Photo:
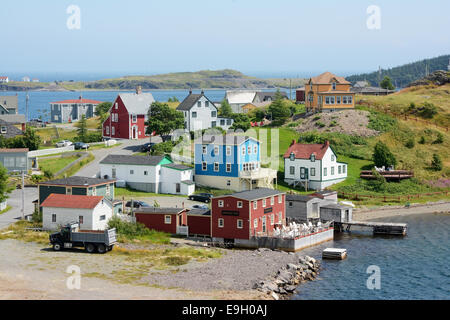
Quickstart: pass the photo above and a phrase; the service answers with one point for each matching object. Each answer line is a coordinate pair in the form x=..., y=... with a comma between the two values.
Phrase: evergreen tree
x=278, y=110
x=386, y=83
x=436, y=163
x=30, y=139
x=382, y=156
x=225, y=109
x=82, y=128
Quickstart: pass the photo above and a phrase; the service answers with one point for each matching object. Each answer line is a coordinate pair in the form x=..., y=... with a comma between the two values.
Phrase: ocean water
x=413, y=267
x=39, y=101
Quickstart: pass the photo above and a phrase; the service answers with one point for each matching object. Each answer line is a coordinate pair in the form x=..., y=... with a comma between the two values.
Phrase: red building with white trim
x=128, y=115
x=162, y=219
x=246, y=214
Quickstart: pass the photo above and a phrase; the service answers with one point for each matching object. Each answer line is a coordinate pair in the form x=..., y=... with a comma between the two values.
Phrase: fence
x=399, y=198
x=44, y=152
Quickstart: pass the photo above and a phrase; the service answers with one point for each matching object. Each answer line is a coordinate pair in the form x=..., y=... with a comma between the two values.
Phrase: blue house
x=230, y=162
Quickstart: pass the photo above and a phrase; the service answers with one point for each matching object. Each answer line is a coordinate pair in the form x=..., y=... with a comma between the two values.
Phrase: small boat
x=334, y=254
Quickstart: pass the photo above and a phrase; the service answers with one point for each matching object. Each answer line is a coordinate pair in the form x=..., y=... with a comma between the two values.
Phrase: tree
x=241, y=121
x=436, y=163
x=439, y=138
x=278, y=110
x=382, y=156
x=4, y=189
x=163, y=120
x=386, y=83
x=225, y=109
x=173, y=99
x=82, y=128
x=30, y=139
x=102, y=111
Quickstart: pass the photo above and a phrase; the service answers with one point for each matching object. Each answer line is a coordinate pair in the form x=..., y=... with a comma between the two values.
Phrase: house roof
x=77, y=181
x=227, y=139
x=191, y=100
x=304, y=151
x=13, y=118
x=132, y=160
x=240, y=96
x=299, y=197
x=254, y=194
x=137, y=103
x=9, y=102
x=199, y=212
x=155, y=210
x=78, y=101
x=3, y=77
x=332, y=205
x=71, y=201
x=264, y=95
x=370, y=90
x=326, y=78
x=178, y=166
x=335, y=92
x=14, y=150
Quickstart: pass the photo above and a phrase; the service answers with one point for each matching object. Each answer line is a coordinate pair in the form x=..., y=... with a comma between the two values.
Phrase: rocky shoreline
x=282, y=285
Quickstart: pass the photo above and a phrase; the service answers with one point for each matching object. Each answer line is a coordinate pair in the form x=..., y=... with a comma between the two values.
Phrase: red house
x=246, y=214
x=128, y=115
x=162, y=219
x=199, y=222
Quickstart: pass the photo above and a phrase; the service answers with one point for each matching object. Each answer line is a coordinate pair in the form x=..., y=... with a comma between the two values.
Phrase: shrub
x=317, y=118
x=436, y=163
x=422, y=140
x=131, y=230
x=162, y=148
x=333, y=123
x=381, y=122
x=410, y=143
x=320, y=124
x=428, y=110
x=382, y=156
x=439, y=139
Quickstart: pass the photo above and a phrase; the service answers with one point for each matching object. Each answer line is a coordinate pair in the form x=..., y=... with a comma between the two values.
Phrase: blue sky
x=255, y=37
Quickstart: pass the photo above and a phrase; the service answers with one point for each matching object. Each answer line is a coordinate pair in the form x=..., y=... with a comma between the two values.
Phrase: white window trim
x=206, y=166
x=218, y=167
x=167, y=219
x=220, y=223
x=264, y=203
x=240, y=204
x=228, y=151
x=204, y=149
x=228, y=167
x=255, y=205
x=220, y=203
x=241, y=222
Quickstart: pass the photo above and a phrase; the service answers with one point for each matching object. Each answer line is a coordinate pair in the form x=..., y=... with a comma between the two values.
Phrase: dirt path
x=391, y=211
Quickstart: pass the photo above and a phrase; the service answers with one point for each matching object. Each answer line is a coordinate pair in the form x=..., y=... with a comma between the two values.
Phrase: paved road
x=15, y=201
x=126, y=147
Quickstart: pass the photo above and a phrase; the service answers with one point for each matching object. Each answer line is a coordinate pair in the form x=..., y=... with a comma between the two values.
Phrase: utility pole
x=27, y=98
x=23, y=195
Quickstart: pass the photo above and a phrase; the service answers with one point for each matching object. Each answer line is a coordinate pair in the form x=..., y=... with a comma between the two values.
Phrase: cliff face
x=437, y=78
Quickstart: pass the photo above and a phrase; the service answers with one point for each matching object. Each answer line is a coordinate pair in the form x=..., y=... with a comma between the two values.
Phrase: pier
x=389, y=228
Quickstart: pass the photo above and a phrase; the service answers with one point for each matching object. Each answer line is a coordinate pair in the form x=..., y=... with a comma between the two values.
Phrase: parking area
x=15, y=201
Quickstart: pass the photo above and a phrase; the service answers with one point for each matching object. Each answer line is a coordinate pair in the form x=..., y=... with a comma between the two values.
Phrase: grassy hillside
x=405, y=74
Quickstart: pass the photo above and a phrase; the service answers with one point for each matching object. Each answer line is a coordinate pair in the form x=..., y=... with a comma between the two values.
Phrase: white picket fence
x=45, y=152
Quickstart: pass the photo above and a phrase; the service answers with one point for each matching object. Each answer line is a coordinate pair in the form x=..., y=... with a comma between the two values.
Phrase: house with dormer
x=201, y=113
x=328, y=92
x=231, y=162
x=313, y=166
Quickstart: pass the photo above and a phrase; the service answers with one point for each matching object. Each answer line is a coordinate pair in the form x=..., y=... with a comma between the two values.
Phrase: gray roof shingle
x=254, y=194
x=137, y=103
x=178, y=166
x=158, y=210
x=189, y=102
x=299, y=197
x=77, y=181
x=132, y=160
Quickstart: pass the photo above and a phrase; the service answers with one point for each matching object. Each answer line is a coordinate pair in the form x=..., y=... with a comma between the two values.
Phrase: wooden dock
x=396, y=175
x=390, y=228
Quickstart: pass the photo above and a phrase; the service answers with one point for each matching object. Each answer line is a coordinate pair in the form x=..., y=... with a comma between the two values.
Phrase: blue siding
x=236, y=158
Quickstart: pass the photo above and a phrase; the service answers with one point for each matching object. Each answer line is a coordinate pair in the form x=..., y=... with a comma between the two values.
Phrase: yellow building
x=328, y=92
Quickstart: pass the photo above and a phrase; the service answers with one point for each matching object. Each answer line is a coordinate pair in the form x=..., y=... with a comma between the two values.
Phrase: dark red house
x=300, y=95
x=162, y=219
x=128, y=115
x=199, y=222
x=246, y=214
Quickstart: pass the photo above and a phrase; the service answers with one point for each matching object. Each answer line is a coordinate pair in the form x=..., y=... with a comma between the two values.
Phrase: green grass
x=8, y=207
x=131, y=193
x=56, y=164
x=18, y=231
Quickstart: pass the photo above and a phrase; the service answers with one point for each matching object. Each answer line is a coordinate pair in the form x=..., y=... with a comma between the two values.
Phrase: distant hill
x=206, y=79
x=405, y=74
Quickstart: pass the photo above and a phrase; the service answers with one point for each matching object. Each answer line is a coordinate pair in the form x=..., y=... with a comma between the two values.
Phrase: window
x=199, y=104
x=240, y=224
x=313, y=172
x=292, y=170
x=204, y=166
x=313, y=157
x=53, y=217
x=108, y=189
x=204, y=149
x=255, y=205
x=280, y=217
x=344, y=99
x=216, y=166
x=228, y=183
x=213, y=114
x=213, y=124
x=228, y=167
x=325, y=172
x=272, y=219
x=220, y=203
x=272, y=201
x=243, y=151
x=332, y=157
x=280, y=199
x=117, y=105
x=207, y=104
x=216, y=151
x=113, y=130
x=264, y=203
x=220, y=223
x=168, y=219
x=228, y=122
x=80, y=220
x=249, y=150
x=339, y=169
x=338, y=100
x=131, y=171
x=194, y=114
x=332, y=171
x=94, y=191
x=102, y=218
x=255, y=223
x=291, y=204
x=239, y=204
x=228, y=151
x=69, y=191
x=350, y=99
x=145, y=173
x=222, y=122
x=134, y=120
x=255, y=149
x=344, y=167
x=107, y=129
x=334, y=85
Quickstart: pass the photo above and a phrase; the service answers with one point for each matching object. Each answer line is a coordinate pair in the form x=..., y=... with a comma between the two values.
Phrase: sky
x=257, y=37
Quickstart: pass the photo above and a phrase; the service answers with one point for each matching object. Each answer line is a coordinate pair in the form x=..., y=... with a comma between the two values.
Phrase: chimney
x=326, y=144
x=24, y=127
x=190, y=91
x=203, y=92
x=138, y=90
x=292, y=143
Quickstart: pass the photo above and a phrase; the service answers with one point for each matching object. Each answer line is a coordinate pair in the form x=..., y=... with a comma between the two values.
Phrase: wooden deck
x=388, y=175
x=378, y=227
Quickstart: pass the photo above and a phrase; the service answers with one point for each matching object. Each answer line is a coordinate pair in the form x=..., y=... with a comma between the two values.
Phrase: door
x=264, y=224
x=304, y=173
x=134, y=133
x=178, y=188
x=347, y=216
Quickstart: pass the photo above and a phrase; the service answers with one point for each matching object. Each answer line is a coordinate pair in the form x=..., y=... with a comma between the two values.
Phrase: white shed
x=92, y=212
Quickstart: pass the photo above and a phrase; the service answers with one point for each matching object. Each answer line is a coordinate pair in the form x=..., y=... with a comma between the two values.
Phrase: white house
x=157, y=174
x=92, y=212
x=4, y=79
x=313, y=166
x=239, y=98
x=201, y=113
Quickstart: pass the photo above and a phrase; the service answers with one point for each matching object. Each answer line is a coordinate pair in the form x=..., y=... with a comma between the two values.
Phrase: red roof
x=73, y=101
x=3, y=77
x=304, y=151
x=71, y=201
x=14, y=150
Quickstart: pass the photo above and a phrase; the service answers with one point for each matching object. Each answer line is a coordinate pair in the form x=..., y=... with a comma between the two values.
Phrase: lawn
x=56, y=164
x=49, y=135
x=131, y=193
